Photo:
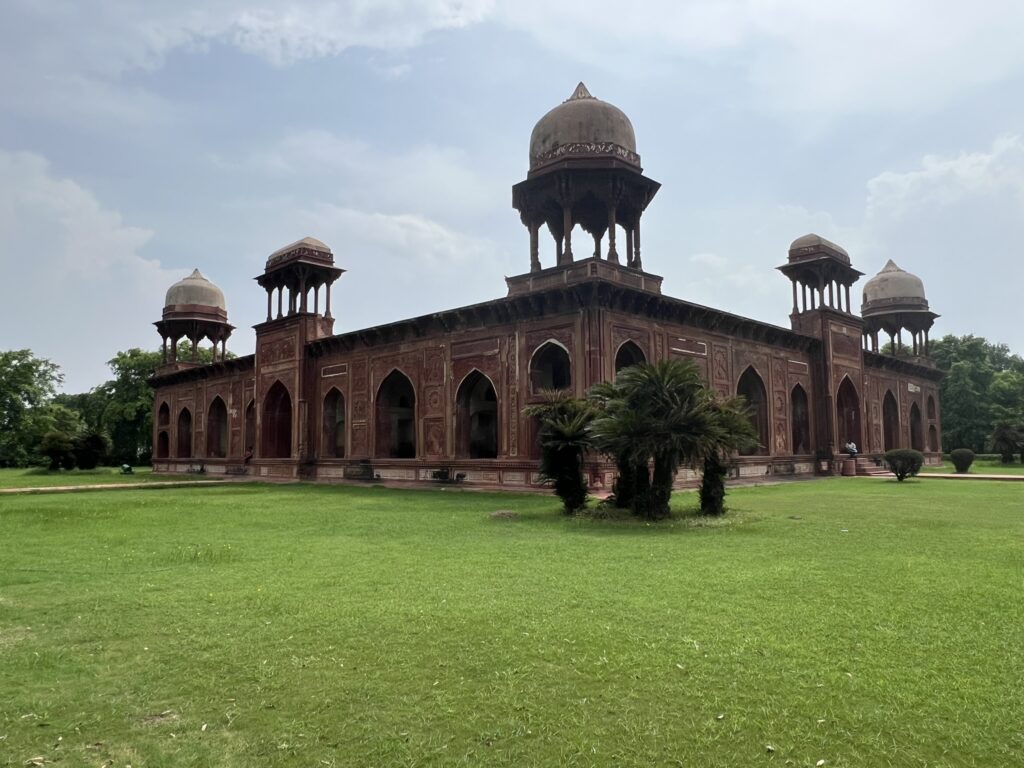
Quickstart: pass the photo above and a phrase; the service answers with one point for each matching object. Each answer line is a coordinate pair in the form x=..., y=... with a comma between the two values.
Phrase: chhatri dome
x=194, y=309
x=584, y=125
x=194, y=291
x=893, y=289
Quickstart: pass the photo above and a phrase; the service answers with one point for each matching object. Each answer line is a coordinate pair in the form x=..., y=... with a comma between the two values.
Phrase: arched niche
x=334, y=425
x=476, y=418
x=751, y=387
x=396, y=418
x=629, y=354
x=550, y=367
x=916, y=430
x=184, y=434
x=217, y=430
x=163, y=445
x=890, y=422
x=250, y=428
x=163, y=415
x=848, y=413
x=276, y=442
x=800, y=426
x=931, y=408
x=933, y=439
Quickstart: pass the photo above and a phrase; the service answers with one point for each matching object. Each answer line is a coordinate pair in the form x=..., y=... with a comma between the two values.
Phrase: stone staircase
x=866, y=466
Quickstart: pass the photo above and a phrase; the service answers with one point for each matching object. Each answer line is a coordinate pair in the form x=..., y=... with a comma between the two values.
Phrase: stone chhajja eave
x=900, y=365
x=561, y=300
x=199, y=372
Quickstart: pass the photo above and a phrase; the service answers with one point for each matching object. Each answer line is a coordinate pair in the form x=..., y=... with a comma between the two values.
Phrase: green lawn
x=860, y=622
x=43, y=478
x=980, y=468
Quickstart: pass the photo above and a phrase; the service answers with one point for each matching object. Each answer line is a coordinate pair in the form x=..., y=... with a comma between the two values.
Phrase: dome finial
x=581, y=92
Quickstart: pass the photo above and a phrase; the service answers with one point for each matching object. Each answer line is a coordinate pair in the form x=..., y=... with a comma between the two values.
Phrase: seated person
x=851, y=448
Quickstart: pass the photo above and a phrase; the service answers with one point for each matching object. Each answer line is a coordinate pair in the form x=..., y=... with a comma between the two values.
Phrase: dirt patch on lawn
x=161, y=718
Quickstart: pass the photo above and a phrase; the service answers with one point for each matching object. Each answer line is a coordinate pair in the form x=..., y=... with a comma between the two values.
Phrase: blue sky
x=141, y=140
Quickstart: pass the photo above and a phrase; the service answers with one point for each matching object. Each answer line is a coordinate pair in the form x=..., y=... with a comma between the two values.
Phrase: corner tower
x=584, y=170
x=293, y=278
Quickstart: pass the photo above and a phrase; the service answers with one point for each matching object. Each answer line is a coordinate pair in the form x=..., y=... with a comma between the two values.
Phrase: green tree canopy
x=27, y=383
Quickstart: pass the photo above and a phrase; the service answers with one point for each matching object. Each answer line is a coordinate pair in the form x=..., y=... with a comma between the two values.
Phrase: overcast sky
x=139, y=140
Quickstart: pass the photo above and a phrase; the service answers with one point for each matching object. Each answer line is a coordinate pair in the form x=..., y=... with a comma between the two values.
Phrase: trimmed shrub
x=962, y=459
x=904, y=462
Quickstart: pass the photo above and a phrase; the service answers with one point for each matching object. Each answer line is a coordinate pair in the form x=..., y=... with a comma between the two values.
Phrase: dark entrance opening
x=848, y=414
x=217, y=430
x=629, y=354
x=477, y=418
x=890, y=422
x=801, y=425
x=751, y=387
x=916, y=433
x=334, y=425
x=163, y=445
x=250, y=428
x=396, y=418
x=550, y=368
x=277, y=423
x=185, y=434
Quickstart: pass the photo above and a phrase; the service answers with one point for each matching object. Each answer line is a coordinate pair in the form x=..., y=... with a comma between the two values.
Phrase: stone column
x=535, y=247
x=637, y=264
x=566, y=234
x=613, y=255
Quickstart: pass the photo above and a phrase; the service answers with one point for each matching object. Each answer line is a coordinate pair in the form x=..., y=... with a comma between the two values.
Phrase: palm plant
x=564, y=438
x=659, y=414
x=1005, y=441
x=732, y=430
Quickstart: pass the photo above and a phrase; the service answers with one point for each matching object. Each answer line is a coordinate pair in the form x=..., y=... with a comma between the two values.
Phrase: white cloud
x=78, y=288
x=804, y=56
x=429, y=180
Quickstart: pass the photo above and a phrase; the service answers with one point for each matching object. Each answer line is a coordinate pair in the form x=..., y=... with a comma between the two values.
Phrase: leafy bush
x=904, y=462
x=91, y=448
x=962, y=459
x=59, y=448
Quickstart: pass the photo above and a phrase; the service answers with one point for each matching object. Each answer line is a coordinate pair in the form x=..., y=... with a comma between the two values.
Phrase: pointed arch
x=751, y=387
x=163, y=415
x=916, y=432
x=163, y=445
x=184, y=434
x=848, y=413
x=395, y=407
x=217, y=429
x=550, y=367
x=476, y=417
x=931, y=408
x=800, y=426
x=890, y=422
x=933, y=439
x=629, y=353
x=334, y=425
x=276, y=442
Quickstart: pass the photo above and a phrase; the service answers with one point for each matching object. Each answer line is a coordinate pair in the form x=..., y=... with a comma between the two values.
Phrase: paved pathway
x=109, y=486
x=952, y=476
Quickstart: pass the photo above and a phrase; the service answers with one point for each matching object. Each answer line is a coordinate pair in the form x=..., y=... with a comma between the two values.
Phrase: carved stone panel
x=433, y=438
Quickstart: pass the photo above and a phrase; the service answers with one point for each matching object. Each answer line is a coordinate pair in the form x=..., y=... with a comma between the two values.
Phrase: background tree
x=984, y=383
x=27, y=383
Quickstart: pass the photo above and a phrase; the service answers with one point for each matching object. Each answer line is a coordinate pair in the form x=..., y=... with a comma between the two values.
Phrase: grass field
x=43, y=478
x=856, y=621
